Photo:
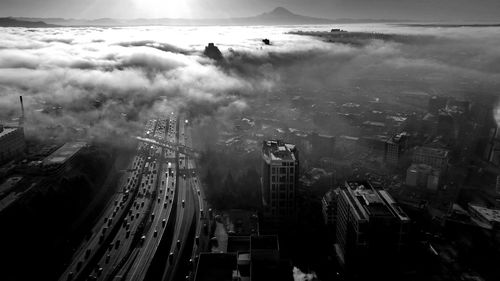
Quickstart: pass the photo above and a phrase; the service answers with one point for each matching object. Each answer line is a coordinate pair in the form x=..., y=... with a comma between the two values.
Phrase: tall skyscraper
x=329, y=206
x=371, y=227
x=280, y=170
x=395, y=147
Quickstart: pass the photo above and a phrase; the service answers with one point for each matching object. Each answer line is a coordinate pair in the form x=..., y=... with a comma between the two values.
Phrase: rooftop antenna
x=21, y=120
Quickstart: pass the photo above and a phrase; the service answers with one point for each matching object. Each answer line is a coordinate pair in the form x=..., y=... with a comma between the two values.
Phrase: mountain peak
x=281, y=12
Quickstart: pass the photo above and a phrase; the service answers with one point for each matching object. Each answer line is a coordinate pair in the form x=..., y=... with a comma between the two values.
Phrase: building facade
x=329, y=206
x=395, y=147
x=435, y=157
x=280, y=170
x=12, y=143
x=371, y=227
x=423, y=175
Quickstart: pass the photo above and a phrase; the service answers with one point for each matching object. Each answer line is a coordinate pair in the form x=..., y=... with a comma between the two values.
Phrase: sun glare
x=163, y=8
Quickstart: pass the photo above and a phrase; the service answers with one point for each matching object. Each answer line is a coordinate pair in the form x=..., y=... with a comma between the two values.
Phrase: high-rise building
x=395, y=147
x=280, y=172
x=12, y=143
x=435, y=157
x=371, y=227
x=329, y=206
x=492, y=151
x=423, y=176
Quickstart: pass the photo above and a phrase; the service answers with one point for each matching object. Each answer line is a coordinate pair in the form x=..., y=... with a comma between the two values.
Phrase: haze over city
x=249, y=140
x=433, y=10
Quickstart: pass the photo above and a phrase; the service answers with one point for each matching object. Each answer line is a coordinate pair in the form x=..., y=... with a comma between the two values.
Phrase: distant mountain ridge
x=278, y=16
x=13, y=22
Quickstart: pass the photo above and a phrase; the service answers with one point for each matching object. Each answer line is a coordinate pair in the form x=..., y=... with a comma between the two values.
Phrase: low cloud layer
x=103, y=82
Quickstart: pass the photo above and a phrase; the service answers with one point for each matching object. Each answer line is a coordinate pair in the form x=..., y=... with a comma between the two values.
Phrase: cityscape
x=173, y=141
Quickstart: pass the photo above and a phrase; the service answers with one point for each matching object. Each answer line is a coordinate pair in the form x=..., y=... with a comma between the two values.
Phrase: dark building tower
x=395, y=147
x=21, y=120
x=213, y=52
x=280, y=171
x=371, y=228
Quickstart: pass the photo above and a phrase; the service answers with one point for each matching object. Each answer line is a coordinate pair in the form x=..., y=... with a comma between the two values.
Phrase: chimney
x=22, y=110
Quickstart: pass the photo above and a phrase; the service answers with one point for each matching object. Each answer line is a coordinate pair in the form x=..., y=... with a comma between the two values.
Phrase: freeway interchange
x=156, y=223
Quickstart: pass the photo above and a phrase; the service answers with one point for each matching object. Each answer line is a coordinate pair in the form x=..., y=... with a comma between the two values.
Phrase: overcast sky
x=435, y=10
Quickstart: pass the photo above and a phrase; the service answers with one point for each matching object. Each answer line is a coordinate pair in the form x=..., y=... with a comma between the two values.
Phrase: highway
x=150, y=229
x=160, y=214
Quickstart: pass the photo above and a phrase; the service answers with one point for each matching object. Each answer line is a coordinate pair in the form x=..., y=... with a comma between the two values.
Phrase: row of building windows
x=282, y=179
x=282, y=170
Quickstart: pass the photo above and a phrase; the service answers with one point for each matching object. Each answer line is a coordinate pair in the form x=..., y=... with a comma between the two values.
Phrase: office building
x=62, y=159
x=280, y=171
x=12, y=144
x=423, y=175
x=492, y=151
x=435, y=157
x=329, y=206
x=395, y=147
x=371, y=227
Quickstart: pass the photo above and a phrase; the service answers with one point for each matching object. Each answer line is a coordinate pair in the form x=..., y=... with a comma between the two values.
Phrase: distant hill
x=12, y=22
x=278, y=16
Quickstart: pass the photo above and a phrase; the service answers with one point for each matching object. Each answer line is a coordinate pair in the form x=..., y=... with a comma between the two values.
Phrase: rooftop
x=369, y=202
x=491, y=215
x=9, y=184
x=238, y=244
x=64, y=153
x=277, y=150
x=216, y=267
x=398, y=137
x=241, y=222
x=438, y=152
x=7, y=131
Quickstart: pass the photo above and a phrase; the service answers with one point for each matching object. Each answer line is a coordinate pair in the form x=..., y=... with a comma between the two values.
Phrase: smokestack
x=22, y=110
